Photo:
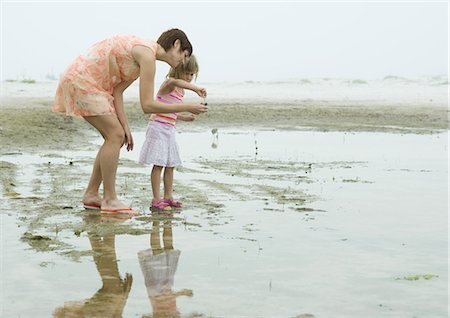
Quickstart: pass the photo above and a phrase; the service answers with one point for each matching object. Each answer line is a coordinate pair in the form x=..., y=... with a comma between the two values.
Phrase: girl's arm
x=146, y=60
x=171, y=83
x=118, y=105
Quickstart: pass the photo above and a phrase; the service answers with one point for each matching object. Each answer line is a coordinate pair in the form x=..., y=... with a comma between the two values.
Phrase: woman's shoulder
x=134, y=40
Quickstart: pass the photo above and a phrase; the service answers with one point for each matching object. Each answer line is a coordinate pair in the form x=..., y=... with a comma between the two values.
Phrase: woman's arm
x=147, y=63
x=118, y=102
x=118, y=105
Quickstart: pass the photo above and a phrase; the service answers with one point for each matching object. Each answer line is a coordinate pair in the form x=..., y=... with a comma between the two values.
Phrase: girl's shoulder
x=179, y=90
x=168, y=86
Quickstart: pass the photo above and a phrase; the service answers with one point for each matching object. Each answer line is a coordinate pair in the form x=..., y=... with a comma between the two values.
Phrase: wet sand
x=61, y=132
x=285, y=205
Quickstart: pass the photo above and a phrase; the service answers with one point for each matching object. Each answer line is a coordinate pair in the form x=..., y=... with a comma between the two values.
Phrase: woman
x=92, y=87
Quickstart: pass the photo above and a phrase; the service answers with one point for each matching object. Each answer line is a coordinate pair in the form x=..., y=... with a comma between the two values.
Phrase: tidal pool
x=275, y=224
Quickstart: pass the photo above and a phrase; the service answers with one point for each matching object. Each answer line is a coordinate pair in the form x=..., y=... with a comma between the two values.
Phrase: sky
x=238, y=41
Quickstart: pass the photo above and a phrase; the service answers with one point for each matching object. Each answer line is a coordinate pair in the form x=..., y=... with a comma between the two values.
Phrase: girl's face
x=175, y=55
x=188, y=76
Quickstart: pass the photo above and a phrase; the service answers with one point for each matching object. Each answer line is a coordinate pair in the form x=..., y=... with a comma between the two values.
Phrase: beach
x=295, y=192
x=393, y=104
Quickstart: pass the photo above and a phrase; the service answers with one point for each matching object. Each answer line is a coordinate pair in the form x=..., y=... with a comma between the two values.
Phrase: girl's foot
x=160, y=204
x=174, y=203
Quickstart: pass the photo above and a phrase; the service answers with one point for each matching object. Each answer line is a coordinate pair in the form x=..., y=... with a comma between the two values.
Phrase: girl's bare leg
x=167, y=235
x=168, y=182
x=155, y=241
x=105, y=165
x=156, y=181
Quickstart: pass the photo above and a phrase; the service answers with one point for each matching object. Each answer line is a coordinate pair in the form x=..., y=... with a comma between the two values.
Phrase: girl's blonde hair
x=190, y=65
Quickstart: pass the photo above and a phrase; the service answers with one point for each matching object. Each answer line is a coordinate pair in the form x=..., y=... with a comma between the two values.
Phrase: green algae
x=42, y=243
x=8, y=173
x=417, y=277
x=228, y=189
x=356, y=180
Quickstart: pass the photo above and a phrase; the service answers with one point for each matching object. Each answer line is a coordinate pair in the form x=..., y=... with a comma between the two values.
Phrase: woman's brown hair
x=168, y=38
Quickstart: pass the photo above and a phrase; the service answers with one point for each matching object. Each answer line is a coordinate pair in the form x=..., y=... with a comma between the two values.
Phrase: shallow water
x=275, y=224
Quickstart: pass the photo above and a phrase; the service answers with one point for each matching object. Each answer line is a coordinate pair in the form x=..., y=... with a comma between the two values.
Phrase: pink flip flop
x=91, y=206
x=128, y=211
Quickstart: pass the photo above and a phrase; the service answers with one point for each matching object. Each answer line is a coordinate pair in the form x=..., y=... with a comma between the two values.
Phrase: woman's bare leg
x=105, y=165
x=168, y=182
x=92, y=192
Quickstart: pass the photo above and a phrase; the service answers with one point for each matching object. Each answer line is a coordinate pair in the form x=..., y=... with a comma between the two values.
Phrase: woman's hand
x=128, y=140
x=201, y=92
x=197, y=109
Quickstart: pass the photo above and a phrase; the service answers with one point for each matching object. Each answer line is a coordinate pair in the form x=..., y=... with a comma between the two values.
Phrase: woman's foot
x=160, y=204
x=115, y=206
x=91, y=201
x=173, y=203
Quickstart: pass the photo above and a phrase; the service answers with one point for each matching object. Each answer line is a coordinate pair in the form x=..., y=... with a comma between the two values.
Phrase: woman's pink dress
x=86, y=86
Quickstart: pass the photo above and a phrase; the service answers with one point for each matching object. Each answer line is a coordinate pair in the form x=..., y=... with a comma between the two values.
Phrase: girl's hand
x=201, y=92
x=128, y=140
x=197, y=109
x=190, y=117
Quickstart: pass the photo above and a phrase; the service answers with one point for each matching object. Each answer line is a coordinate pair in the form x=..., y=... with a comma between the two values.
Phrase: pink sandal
x=174, y=203
x=160, y=204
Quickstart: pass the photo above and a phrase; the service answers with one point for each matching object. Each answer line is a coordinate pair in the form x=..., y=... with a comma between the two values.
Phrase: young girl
x=159, y=264
x=92, y=87
x=160, y=147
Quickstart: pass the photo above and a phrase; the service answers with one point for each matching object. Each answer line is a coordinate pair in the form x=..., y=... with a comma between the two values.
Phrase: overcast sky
x=239, y=41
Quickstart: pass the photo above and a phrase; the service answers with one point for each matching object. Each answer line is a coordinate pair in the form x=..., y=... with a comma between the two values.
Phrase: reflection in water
x=110, y=299
x=215, y=141
x=159, y=264
x=256, y=146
